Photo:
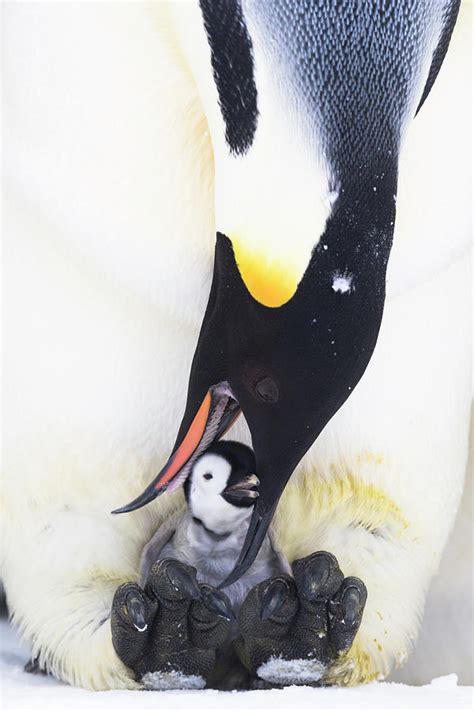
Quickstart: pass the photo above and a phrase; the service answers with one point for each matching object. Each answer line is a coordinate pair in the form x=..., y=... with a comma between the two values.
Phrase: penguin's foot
x=291, y=631
x=168, y=632
x=33, y=667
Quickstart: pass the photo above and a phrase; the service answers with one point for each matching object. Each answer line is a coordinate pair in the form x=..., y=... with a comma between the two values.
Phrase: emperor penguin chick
x=220, y=492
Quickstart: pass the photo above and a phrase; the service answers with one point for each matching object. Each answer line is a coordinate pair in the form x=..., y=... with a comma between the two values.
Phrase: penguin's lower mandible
x=244, y=212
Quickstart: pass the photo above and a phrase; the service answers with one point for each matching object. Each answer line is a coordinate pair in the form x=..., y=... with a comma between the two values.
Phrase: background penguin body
x=102, y=315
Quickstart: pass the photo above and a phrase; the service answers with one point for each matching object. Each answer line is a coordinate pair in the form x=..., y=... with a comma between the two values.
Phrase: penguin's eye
x=207, y=476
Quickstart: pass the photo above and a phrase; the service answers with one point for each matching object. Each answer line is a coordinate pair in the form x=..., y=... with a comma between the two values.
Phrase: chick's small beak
x=243, y=489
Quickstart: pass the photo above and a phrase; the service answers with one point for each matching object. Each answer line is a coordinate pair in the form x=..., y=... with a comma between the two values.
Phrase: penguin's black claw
x=218, y=602
x=317, y=577
x=292, y=630
x=33, y=667
x=136, y=611
x=168, y=632
x=182, y=577
x=346, y=609
x=273, y=598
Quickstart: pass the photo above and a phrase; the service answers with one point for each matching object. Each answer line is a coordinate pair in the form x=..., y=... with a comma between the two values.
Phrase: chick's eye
x=207, y=476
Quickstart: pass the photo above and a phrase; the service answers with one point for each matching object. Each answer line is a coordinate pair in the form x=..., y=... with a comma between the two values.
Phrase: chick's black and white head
x=221, y=489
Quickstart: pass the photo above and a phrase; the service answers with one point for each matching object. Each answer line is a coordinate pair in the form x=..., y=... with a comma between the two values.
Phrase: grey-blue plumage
x=352, y=68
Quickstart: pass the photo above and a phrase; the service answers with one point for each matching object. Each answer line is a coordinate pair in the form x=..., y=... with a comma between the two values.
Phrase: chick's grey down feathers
x=186, y=540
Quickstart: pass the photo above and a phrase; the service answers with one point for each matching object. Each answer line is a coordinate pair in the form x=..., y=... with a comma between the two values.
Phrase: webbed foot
x=168, y=632
x=292, y=630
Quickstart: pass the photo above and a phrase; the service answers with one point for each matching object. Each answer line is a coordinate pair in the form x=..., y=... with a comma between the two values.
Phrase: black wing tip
x=440, y=51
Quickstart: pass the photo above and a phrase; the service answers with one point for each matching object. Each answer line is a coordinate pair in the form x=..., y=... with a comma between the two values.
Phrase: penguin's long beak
x=256, y=532
x=288, y=369
x=216, y=414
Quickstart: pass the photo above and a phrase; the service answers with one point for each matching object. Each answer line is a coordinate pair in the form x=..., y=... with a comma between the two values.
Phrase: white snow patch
x=342, y=282
x=293, y=671
x=172, y=680
x=26, y=691
x=445, y=682
x=141, y=629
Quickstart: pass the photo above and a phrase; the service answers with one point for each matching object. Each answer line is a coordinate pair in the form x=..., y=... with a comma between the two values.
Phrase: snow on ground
x=26, y=691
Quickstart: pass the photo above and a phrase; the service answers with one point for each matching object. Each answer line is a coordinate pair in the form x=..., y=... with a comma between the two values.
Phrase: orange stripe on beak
x=189, y=443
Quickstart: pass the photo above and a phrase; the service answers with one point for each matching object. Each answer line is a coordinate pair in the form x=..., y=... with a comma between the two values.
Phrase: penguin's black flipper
x=450, y=17
x=293, y=630
x=168, y=632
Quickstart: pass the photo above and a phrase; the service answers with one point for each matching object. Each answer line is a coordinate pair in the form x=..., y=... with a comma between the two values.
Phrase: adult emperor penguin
x=279, y=126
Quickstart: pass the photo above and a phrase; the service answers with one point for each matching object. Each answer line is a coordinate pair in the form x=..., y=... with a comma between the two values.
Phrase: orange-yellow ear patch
x=271, y=280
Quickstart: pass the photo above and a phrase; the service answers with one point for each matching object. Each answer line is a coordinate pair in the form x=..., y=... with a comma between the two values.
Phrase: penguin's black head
x=287, y=369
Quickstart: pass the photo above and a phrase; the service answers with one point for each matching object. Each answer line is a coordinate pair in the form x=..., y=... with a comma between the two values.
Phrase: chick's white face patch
x=209, y=476
x=208, y=480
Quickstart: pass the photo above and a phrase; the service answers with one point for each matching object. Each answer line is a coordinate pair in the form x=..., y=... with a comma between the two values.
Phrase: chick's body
x=220, y=494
